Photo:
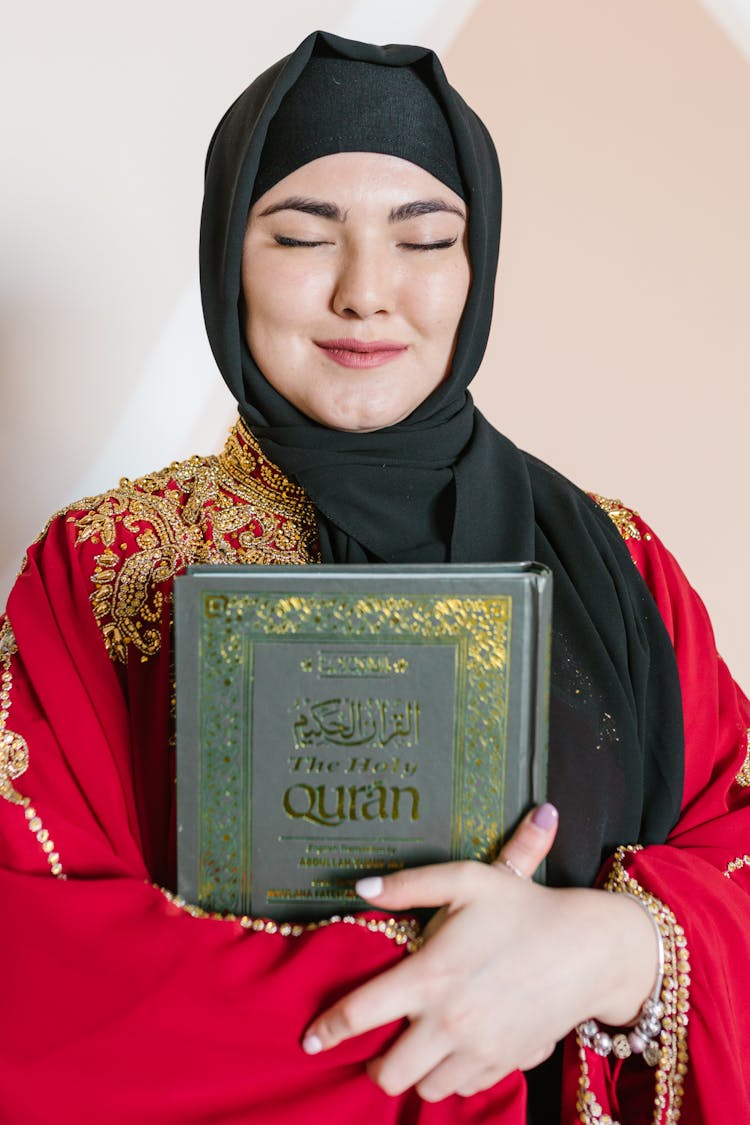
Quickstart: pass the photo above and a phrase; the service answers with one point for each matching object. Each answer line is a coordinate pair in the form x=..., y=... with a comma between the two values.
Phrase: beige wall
x=619, y=350
x=620, y=346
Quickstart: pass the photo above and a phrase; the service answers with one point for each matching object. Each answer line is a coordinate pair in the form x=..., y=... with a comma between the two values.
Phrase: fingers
x=404, y=991
x=443, y=883
x=531, y=841
x=434, y=885
x=415, y=1054
x=380, y=1001
x=458, y=1074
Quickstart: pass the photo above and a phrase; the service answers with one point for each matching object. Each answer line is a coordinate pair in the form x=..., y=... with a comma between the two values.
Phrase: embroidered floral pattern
x=235, y=508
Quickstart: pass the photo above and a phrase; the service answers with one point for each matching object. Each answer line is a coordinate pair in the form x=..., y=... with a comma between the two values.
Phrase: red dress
x=122, y=1005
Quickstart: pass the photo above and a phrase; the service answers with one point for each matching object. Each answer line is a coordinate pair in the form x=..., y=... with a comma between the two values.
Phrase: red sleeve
x=702, y=875
x=118, y=1005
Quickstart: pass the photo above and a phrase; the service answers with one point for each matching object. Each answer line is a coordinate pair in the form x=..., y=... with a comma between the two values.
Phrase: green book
x=341, y=721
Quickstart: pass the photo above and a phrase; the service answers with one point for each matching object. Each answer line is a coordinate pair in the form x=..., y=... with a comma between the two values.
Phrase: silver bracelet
x=643, y=1038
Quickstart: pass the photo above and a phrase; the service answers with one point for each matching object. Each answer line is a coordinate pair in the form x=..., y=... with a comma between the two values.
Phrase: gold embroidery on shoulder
x=403, y=931
x=127, y=601
x=673, y=1058
x=743, y=777
x=623, y=518
x=235, y=508
x=14, y=755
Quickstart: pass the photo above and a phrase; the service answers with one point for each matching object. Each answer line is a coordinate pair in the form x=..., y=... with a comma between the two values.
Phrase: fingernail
x=311, y=1045
x=370, y=887
x=545, y=816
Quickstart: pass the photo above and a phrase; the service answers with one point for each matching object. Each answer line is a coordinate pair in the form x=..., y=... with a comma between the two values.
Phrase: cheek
x=440, y=303
x=284, y=300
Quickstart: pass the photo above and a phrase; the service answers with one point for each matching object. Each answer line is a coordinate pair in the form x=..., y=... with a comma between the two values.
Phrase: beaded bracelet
x=643, y=1038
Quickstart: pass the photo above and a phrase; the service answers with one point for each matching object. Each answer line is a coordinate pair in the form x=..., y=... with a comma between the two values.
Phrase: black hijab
x=444, y=485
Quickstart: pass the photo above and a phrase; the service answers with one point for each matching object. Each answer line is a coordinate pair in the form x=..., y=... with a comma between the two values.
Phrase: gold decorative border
x=589, y=1110
x=14, y=755
x=675, y=996
x=479, y=626
x=743, y=777
x=736, y=865
x=403, y=931
x=623, y=518
x=14, y=752
x=260, y=481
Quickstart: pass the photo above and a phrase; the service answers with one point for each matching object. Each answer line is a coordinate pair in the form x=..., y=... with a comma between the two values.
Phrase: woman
x=348, y=250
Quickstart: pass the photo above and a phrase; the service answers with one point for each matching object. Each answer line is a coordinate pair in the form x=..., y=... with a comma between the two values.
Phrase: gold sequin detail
x=403, y=931
x=14, y=753
x=43, y=838
x=14, y=756
x=736, y=865
x=743, y=777
x=669, y=1075
x=589, y=1110
x=623, y=518
x=235, y=508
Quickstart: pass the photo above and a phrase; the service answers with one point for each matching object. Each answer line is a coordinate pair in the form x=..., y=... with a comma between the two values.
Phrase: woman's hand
x=508, y=968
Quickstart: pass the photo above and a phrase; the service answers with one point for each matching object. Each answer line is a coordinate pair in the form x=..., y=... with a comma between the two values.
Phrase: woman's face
x=355, y=276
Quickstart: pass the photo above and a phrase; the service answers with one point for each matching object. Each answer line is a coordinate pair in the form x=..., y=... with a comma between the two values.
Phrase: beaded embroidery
x=743, y=777
x=403, y=931
x=736, y=865
x=675, y=996
x=623, y=518
x=14, y=755
x=235, y=508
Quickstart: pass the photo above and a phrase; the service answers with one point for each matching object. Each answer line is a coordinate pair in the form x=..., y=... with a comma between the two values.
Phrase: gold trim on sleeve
x=673, y=1051
x=14, y=755
x=14, y=752
x=403, y=931
x=736, y=865
x=743, y=777
x=589, y=1110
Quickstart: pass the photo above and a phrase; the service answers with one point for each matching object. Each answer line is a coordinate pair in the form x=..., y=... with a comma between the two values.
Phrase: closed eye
x=282, y=240
x=443, y=244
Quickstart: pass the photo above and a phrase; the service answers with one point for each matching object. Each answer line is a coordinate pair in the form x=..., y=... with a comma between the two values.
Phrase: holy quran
x=340, y=721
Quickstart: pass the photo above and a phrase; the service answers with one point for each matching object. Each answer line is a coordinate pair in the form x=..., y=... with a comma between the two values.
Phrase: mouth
x=349, y=352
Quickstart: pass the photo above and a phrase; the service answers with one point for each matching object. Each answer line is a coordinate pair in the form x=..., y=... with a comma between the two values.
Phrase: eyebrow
x=308, y=206
x=325, y=210
x=423, y=207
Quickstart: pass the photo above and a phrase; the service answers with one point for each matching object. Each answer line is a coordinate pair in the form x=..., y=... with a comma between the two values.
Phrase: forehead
x=351, y=178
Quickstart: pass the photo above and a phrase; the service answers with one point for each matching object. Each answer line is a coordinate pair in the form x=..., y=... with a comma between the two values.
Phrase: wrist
x=630, y=948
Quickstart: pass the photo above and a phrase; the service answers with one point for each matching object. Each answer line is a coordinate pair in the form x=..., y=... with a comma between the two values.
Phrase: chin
x=365, y=422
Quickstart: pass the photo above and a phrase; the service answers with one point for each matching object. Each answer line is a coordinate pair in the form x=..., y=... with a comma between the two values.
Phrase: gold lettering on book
x=310, y=763
x=334, y=805
x=340, y=721
x=358, y=664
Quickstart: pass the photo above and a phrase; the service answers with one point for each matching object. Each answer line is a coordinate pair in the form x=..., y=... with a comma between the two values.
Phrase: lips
x=349, y=352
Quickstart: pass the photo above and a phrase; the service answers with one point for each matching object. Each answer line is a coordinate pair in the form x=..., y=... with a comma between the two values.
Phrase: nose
x=365, y=283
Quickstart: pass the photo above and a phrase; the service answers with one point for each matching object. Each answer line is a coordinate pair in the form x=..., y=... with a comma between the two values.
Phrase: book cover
x=337, y=721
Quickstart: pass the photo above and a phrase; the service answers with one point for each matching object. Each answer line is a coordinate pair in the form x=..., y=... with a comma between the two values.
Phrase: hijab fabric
x=444, y=485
